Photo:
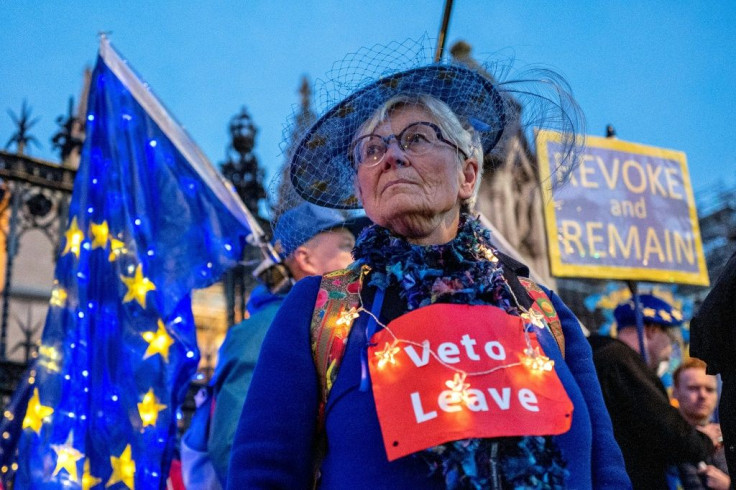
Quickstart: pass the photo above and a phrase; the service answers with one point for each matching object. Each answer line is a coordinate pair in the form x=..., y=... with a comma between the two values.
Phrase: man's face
x=659, y=345
x=697, y=394
x=330, y=251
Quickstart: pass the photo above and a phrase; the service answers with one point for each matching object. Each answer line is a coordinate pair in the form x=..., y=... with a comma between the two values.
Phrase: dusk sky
x=660, y=71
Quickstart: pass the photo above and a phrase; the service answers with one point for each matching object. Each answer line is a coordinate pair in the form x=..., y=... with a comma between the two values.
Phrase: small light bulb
x=346, y=317
x=386, y=356
x=536, y=361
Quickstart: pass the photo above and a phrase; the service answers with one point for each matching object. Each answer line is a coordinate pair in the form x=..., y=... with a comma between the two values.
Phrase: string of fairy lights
x=532, y=357
x=158, y=342
x=150, y=221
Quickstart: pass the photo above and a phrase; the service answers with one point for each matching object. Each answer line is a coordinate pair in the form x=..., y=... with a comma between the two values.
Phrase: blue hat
x=304, y=221
x=654, y=310
x=321, y=170
x=481, y=95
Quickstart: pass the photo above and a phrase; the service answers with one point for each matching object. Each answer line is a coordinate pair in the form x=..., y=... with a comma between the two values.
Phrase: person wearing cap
x=650, y=431
x=696, y=393
x=713, y=339
x=444, y=365
x=323, y=242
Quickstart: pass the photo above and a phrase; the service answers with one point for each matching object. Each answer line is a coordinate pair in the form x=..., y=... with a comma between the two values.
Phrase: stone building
x=510, y=196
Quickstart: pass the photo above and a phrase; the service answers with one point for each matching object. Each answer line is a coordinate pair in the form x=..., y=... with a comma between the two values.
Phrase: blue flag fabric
x=10, y=424
x=150, y=219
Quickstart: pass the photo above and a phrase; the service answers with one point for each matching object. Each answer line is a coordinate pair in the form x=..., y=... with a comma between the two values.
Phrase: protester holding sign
x=651, y=432
x=438, y=365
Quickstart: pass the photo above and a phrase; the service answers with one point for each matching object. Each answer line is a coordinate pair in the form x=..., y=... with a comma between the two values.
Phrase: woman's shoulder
x=304, y=288
x=296, y=309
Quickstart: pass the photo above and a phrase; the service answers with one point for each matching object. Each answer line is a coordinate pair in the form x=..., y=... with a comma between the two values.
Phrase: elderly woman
x=431, y=362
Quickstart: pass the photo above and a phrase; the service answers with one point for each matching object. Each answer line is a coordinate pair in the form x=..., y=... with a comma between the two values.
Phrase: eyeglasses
x=415, y=139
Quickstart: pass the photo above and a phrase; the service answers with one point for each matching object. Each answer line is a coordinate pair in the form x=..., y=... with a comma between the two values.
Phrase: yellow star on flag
x=50, y=358
x=74, y=237
x=149, y=408
x=36, y=413
x=123, y=469
x=665, y=316
x=66, y=457
x=117, y=248
x=158, y=342
x=138, y=287
x=58, y=296
x=650, y=312
x=89, y=481
x=99, y=234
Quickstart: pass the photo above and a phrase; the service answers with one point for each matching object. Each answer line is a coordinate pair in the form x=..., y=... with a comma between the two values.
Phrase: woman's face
x=417, y=197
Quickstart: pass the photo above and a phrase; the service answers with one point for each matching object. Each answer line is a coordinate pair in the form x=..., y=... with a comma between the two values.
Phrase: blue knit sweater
x=274, y=440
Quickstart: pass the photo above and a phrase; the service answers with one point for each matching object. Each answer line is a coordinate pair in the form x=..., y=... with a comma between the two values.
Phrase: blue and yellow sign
x=624, y=211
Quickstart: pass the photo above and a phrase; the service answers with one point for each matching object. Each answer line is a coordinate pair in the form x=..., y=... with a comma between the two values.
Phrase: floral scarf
x=463, y=271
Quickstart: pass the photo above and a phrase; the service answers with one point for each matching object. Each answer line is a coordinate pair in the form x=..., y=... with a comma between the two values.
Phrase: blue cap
x=300, y=223
x=654, y=310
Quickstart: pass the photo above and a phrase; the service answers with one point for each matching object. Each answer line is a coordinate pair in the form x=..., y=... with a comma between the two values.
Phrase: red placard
x=417, y=409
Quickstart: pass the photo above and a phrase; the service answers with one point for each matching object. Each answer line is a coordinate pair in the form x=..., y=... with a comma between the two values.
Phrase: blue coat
x=275, y=437
x=236, y=361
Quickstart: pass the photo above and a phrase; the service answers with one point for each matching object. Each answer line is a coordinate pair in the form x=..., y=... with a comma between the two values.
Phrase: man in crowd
x=651, y=433
x=327, y=240
x=697, y=394
x=713, y=339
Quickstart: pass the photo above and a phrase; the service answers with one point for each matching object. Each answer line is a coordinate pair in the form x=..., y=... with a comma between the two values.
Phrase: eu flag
x=150, y=219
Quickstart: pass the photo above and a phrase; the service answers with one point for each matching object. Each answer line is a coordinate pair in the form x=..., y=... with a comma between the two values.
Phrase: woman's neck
x=459, y=271
x=427, y=230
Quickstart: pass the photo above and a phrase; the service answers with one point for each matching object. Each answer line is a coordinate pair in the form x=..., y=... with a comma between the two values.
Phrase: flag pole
x=184, y=143
x=151, y=220
x=443, y=31
x=634, y=288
